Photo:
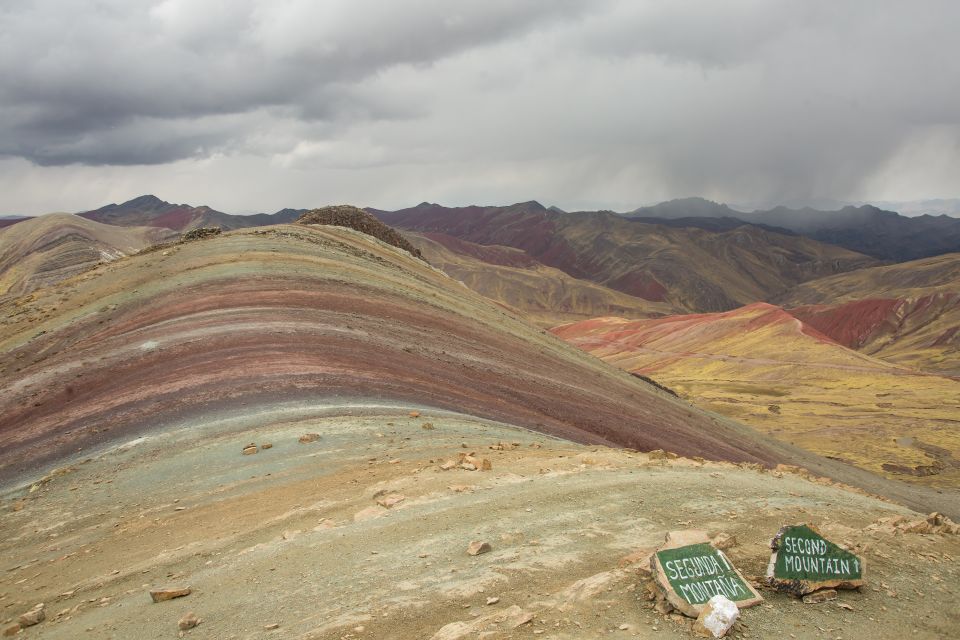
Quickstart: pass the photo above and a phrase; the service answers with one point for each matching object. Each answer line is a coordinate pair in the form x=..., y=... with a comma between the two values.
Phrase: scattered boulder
x=492, y=600
x=250, y=449
x=307, y=438
x=469, y=466
x=449, y=464
x=34, y=616
x=717, y=617
x=803, y=561
x=478, y=547
x=188, y=621
x=485, y=626
x=935, y=523
x=660, y=454
x=391, y=500
x=161, y=595
x=345, y=215
x=486, y=465
x=824, y=595
x=271, y=627
x=266, y=445
x=200, y=233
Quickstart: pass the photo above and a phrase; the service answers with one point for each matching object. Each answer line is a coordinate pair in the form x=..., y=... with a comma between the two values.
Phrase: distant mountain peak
x=144, y=201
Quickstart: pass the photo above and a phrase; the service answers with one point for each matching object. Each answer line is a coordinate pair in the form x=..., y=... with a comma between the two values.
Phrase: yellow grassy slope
x=763, y=367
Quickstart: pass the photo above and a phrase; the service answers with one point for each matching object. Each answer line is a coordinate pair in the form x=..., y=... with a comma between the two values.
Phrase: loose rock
x=308, y=438
x=391, y=500
x=717, y=617
x=34, y=616
x=824, y=595
x=189, y=621
x=250, y=449
x=12, y=630
x=160, y=595
x=478, y=547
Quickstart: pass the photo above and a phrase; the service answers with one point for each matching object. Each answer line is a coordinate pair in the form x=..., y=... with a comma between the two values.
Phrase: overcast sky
x=255, y=105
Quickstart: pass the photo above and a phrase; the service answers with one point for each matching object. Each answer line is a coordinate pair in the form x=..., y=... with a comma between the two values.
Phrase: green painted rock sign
x=690, y=575
x=804, y=561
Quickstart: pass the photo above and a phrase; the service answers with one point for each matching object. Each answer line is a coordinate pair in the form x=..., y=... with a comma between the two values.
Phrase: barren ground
x=275, y=537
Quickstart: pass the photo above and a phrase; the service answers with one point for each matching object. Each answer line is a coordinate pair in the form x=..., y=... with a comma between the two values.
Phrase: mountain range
x=885, y=235
x=309, y=427
x=689, y=268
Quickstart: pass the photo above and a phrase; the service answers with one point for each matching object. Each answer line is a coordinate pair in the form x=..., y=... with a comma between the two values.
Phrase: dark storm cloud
x=582, y=103
x=75, y=74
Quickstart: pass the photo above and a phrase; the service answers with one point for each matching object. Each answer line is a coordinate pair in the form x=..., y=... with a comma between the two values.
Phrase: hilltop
x=42, y=251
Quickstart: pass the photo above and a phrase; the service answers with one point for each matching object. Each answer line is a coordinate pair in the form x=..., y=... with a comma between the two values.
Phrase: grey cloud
x=581, y=103
x=76, y=72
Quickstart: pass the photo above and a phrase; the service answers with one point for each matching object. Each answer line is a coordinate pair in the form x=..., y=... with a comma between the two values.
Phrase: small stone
x=493, y=600
x=271, y=627
x=189, y=621
x=266, y=445
x=486, y=465
x=160, y=595
x=449, y=464
x=624, y=627
x=34, y=616
x=824, y=595
x=718, y=616
x=392, y=500
x=308, y=438
x=250, y=449
x=469, y=466
x=414, y=414
x=477, y=547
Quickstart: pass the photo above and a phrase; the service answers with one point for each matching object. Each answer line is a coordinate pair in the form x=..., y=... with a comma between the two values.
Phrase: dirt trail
x=293, y=535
